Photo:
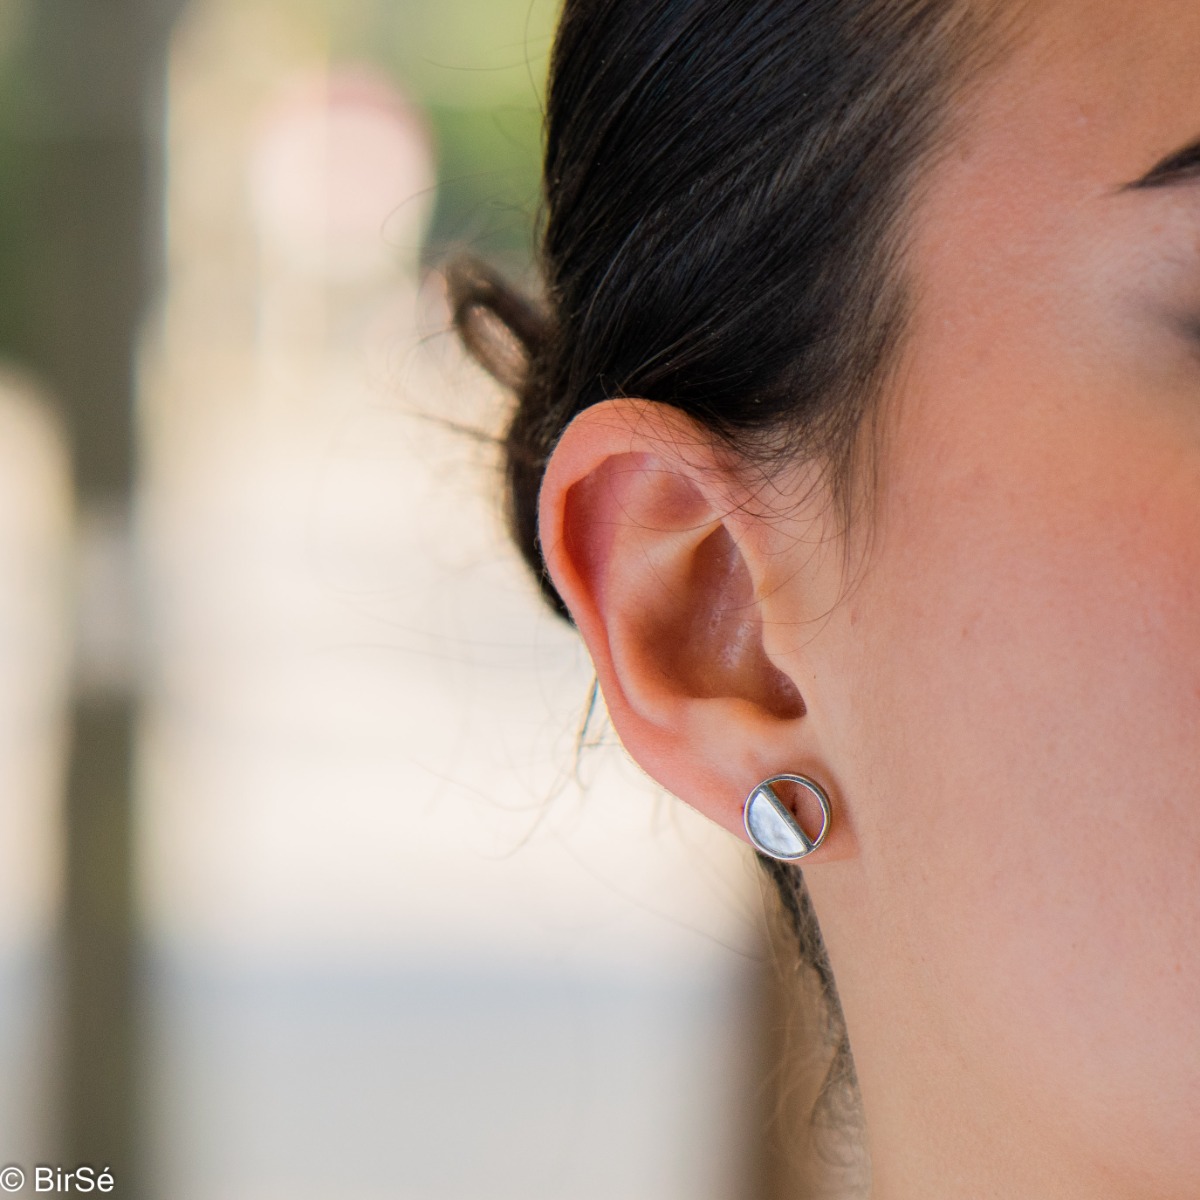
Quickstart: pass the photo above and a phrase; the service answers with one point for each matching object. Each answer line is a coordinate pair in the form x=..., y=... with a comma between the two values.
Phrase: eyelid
x=1181, y=166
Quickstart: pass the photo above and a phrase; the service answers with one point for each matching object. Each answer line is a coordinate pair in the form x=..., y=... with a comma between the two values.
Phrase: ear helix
x=773, y=828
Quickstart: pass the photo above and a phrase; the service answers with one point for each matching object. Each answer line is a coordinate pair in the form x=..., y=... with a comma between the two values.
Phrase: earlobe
x=643, y=533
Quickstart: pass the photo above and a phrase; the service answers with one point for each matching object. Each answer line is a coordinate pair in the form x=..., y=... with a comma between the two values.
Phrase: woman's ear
x=656, y=547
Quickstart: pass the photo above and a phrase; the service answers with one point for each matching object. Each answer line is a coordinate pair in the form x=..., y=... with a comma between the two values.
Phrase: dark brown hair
x=725, y=182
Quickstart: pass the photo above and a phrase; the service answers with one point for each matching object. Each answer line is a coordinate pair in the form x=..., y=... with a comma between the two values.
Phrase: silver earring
x=772, y=827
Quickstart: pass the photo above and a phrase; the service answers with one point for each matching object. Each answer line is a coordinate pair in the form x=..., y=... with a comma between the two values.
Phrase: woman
x=859, y=435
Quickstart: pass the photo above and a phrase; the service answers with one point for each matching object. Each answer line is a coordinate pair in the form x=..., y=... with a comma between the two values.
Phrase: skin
x=996, y=672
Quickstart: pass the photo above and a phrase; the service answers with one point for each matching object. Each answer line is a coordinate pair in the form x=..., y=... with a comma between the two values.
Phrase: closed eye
x=1183, y=166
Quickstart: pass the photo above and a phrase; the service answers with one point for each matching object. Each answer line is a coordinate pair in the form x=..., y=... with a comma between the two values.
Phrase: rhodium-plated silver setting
x=773, y=828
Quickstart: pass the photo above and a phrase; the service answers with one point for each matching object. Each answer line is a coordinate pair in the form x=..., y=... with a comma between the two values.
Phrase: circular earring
x=772, y=827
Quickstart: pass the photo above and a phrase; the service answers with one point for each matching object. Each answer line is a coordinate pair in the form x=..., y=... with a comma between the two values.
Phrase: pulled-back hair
x=723, y=231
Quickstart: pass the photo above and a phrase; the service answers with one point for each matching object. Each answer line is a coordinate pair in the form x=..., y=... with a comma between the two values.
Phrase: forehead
x=1095, y=89
x=1023, y=247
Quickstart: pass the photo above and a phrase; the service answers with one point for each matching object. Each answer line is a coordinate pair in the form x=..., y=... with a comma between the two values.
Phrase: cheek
x=1030, y=635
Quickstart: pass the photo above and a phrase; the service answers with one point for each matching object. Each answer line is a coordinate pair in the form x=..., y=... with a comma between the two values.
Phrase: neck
x=943, y=1140
x=949, y=1113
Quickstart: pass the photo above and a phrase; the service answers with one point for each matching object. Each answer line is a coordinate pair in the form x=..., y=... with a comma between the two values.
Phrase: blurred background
x=317, y=878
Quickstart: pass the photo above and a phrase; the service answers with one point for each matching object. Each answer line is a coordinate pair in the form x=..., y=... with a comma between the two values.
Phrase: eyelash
x=1178, y=167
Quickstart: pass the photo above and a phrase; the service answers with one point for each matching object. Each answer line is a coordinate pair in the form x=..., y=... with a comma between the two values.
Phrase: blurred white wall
x=36, y=569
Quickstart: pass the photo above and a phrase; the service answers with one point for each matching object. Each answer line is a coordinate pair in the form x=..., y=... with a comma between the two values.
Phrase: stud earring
x=772, y=827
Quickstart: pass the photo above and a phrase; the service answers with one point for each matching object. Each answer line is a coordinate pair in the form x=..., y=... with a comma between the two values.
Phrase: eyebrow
x=1182, y=166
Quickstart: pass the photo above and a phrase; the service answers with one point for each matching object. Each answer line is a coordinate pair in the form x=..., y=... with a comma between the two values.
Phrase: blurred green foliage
x=477, y=68
x=471, y=54
x=488, y=162
x=20, y=187
x=19, y=182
